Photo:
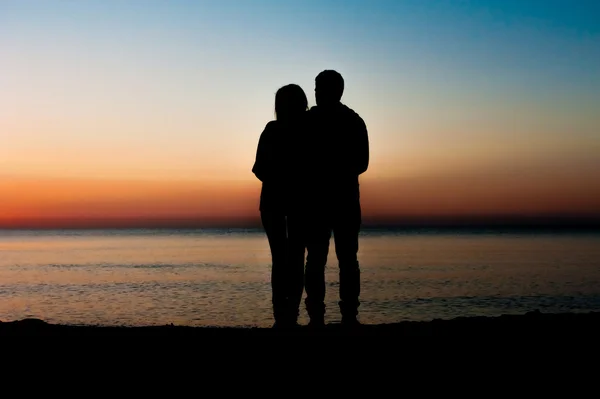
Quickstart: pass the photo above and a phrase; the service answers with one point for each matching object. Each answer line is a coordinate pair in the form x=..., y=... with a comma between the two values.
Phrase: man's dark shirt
x=338, y=152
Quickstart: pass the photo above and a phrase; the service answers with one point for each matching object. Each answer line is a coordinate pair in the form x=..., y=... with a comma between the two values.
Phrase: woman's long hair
x=290, y=102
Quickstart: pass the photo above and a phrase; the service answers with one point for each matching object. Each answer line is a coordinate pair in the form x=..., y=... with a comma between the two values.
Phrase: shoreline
x=533, y=323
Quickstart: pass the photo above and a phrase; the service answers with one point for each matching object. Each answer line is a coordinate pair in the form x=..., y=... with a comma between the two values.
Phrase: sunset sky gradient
x=127, y=113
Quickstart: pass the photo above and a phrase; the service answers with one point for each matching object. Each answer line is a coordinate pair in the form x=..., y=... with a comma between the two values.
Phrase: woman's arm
x=263, y=168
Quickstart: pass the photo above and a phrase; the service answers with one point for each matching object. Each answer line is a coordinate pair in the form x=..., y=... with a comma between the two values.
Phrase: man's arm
x=362, y=146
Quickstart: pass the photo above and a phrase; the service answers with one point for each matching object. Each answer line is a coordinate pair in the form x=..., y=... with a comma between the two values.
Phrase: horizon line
x=412, y=222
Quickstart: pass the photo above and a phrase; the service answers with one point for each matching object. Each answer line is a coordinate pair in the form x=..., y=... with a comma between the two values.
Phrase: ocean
x=221, y=277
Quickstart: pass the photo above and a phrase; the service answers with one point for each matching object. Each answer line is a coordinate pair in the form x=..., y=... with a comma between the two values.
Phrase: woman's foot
x=350, y=322
x=316, y=322
x=286, y=323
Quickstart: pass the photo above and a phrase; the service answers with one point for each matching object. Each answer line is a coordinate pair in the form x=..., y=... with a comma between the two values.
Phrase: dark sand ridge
x=533, y=324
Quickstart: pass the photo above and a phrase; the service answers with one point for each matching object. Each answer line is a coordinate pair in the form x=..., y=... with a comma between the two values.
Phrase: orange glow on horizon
x=122, y=203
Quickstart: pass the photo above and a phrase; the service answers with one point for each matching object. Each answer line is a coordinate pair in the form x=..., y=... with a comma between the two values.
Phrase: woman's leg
x=275, y=226
x=296, y=229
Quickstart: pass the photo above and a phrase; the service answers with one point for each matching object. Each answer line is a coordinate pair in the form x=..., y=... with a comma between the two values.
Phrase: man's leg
x=319, y=234
x=345, y=231
x=275, y=228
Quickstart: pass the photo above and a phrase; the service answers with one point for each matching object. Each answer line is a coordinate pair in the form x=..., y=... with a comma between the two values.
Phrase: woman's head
x=290, y=102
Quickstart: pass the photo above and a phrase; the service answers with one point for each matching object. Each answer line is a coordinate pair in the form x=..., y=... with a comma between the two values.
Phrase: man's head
x=329, y=87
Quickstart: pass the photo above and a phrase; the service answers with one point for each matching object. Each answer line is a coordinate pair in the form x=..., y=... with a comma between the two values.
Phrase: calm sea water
x=222, y=277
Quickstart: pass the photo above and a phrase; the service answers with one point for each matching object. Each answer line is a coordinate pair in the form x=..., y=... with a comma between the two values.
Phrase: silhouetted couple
x=309, y=162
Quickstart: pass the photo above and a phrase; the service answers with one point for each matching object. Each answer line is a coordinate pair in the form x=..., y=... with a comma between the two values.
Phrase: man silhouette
x=338, y=153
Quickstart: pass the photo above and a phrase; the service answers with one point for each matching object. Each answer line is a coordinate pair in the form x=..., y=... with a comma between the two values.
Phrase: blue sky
x=182, y=89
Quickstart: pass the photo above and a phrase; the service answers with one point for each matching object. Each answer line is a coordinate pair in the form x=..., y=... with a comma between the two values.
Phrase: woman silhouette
x=278, y=167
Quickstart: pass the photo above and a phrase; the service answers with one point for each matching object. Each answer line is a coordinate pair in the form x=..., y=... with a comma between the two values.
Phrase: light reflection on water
x=144, y=277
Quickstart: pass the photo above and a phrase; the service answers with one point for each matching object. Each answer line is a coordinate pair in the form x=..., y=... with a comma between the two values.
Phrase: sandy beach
x=530, y=324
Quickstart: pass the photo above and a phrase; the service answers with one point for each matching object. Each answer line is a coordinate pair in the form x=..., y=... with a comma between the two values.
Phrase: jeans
x=344, y=222
x=286, y=236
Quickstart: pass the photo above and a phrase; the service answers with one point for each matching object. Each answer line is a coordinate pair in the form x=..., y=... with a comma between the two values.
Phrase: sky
x=149, y=112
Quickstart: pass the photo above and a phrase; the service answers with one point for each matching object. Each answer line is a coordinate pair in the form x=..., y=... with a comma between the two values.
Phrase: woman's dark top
x=279, y=165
